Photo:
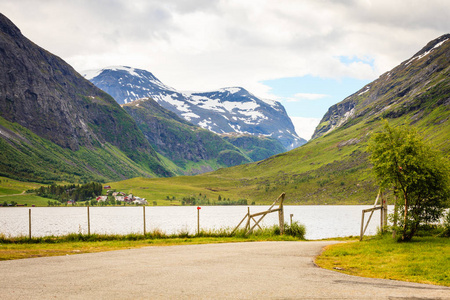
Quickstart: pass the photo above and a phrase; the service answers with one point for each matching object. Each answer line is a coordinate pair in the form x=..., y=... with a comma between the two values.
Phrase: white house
x=140, y=201
x=120, y=198
x=102, y=198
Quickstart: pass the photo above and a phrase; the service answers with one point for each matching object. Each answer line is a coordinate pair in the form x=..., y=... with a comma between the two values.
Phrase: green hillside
x=333, y=168
x=256, y=147
x=27, y=157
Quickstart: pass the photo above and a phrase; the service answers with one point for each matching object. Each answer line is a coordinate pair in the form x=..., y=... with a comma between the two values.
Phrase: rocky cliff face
x=418, y=83
x=228, y=110
x=41, y=92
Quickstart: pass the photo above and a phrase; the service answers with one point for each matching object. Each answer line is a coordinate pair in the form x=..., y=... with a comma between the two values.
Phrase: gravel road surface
x=258, y=270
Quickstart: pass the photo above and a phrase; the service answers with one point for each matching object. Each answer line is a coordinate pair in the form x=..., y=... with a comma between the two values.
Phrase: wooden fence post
x=198, y=220
x=281, y=215
x=144, y=219
x=29, y=223
x=362, y=227
x=89, y=221
x=247, y=226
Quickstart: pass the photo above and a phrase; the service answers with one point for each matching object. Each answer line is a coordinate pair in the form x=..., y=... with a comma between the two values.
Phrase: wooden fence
x=250, y=217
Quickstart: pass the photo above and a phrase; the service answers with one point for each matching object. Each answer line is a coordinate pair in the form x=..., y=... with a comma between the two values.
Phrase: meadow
x=424, y=259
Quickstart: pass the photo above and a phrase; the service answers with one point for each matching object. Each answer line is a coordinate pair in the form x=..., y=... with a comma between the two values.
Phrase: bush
x=296, y=230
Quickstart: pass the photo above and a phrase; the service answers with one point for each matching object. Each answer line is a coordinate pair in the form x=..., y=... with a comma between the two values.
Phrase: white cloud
x=305, y=126
x=208, y=44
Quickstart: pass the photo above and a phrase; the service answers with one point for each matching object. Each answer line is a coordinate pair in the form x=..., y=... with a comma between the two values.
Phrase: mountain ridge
x=221, y=111
x=390, y=90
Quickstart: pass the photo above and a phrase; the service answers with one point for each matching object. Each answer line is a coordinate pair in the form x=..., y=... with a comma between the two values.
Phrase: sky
x=307, y=54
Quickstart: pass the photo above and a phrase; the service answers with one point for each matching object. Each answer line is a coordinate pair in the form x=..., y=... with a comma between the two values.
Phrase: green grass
x=15, y=191
x=10, y=186
x=424, y=260
x=26, y=199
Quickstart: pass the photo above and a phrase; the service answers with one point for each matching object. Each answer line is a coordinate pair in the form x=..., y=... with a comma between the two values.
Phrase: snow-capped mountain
x=226, y=110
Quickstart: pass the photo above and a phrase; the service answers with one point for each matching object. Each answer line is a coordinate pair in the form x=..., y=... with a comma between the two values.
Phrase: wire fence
x=320, y=221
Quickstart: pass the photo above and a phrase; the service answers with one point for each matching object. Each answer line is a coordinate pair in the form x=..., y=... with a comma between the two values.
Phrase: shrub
x=296, y=230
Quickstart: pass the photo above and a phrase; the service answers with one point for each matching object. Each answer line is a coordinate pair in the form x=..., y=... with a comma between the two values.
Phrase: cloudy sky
x=307, y=54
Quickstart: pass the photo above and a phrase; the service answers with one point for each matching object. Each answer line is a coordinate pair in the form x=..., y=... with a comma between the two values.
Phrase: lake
x=321, y=221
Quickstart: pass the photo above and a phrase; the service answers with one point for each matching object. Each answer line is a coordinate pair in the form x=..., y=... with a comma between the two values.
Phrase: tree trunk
x=404, y=235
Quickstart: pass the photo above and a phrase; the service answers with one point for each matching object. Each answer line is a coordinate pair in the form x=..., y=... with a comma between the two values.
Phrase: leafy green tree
x=416, y=172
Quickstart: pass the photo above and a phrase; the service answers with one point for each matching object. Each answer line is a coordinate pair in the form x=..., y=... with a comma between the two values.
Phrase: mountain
x=191, y=148
x=228, y=110
x=417, y=86
x=333, y=168
x=56, y=125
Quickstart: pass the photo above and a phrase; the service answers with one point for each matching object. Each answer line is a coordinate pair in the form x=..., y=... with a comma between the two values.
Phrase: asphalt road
x=259, y=270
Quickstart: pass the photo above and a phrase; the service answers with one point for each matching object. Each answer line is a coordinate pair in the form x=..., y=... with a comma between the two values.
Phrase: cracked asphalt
x=257, y=270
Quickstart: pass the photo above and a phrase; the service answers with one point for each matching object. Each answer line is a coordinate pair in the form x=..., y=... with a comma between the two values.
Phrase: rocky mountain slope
x=228, y=110
x=415, y=86
x=191, y=148
x=56, y=124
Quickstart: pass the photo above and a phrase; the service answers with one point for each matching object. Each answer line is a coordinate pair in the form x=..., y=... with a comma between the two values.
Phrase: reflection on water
x=321, y=221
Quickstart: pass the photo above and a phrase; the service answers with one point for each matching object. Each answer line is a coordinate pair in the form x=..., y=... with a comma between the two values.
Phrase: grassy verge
x=424, y=260
x=24, y=247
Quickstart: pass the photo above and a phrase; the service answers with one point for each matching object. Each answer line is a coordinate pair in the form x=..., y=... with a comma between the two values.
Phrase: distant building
x=102, y=198
x=120, y=198
x=107, y=187
x=140, y=201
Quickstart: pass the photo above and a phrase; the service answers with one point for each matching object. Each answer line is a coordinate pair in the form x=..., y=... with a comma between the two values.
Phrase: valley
x=57, y=127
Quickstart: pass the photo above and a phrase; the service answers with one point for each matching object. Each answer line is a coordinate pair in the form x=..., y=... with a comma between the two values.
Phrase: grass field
x=10, y=186
x=15, y=191
x=424, y=260
x=24, y=247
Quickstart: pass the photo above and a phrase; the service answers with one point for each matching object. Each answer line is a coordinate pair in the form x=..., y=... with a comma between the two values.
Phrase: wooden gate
x=250, y=217
x=383, y=214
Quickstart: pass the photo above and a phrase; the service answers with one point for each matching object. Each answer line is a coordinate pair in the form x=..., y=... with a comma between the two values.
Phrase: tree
x=416, y=172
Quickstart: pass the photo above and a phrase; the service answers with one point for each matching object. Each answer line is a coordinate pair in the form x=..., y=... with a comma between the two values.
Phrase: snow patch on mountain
x=426, y=52
x=190, y=115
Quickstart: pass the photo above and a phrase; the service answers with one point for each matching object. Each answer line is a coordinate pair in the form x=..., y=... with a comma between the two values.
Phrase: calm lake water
x=321, y=221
